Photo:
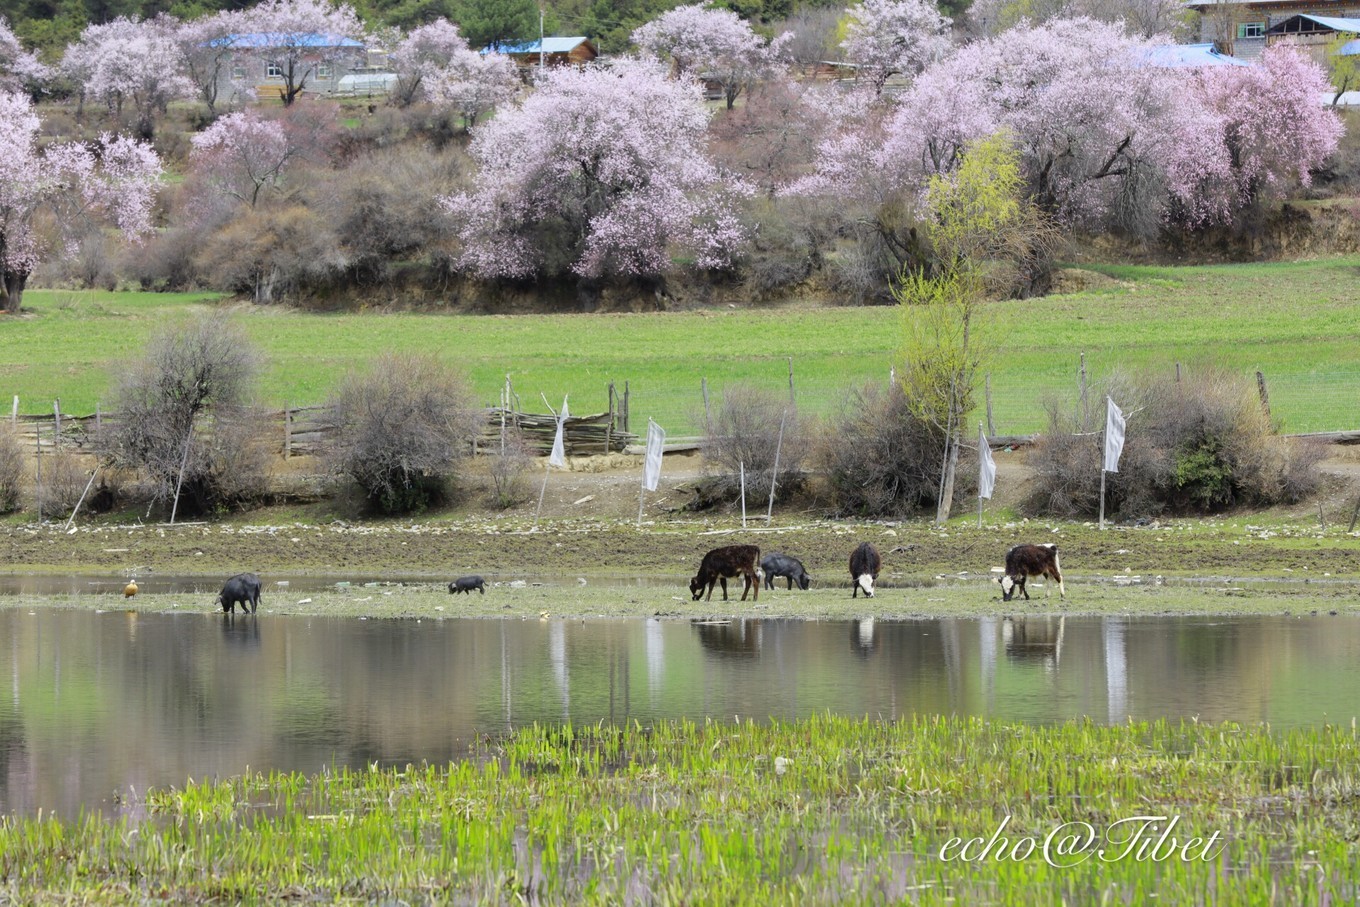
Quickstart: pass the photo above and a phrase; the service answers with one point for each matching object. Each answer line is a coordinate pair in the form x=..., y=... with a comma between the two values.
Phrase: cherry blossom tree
x=886, y=37
x=298, y=36
x=474, y=83
x=66, y=186
x=706, y=42
x=207, y=45
x=127, y=61
x=1275, y=128
x=19, y=69
x=422, y=53
x=601, y=173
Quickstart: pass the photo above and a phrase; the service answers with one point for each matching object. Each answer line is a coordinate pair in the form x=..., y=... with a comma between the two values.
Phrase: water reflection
x=99, y=705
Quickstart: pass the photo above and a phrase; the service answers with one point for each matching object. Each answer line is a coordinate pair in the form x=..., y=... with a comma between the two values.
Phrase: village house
x=324, y=61
x=555, y=51
x=1244, y=29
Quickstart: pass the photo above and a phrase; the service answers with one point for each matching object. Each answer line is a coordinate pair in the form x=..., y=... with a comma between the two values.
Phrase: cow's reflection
x=1034, y=639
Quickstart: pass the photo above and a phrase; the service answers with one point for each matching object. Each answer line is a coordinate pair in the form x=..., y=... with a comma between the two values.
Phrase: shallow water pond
x=96, y=707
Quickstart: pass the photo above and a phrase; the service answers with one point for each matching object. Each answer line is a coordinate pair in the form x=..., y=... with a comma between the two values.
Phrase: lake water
x=95, y=708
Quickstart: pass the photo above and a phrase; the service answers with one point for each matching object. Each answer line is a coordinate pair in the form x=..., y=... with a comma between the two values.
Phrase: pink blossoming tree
x=703, y=41
x=242, y=155
x=422, y=53
x=20, y=70
x=601, y=173
x=66, y=186
x=129, y=62
x=884, y=38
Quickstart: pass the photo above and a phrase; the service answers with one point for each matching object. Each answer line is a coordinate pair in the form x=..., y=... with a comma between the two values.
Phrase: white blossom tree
x=129, y=62
x=207, y=45
x=703, y=41
x=884, y=38
x=600, y=173
x=20, y=70
x=66, y=185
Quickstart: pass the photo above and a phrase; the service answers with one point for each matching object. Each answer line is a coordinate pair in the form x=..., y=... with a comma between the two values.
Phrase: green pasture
x=929, y=810
x=1298, y=323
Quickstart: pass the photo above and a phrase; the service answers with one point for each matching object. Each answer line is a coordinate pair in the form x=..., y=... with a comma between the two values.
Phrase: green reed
x=825, y=809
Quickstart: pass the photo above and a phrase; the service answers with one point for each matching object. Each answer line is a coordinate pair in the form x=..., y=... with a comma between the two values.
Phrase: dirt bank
x=588, y=530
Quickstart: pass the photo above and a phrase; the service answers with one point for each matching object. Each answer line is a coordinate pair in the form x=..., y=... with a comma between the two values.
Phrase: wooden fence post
x=626, y=394
x=708, y=415
x=56, y=416
x=1265, y=397
x=1081, y=388
x=287, y=431
x=14, y=413
x=791, y=403
x=98, y=419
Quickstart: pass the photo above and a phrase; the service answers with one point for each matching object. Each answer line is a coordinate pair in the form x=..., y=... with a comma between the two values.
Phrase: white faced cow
x=1024, y=561
x=864, y=566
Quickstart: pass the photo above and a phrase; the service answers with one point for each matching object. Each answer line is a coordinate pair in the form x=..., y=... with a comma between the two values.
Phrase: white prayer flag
x=558, y=457
x=651, y=468
x=1114, y=436
x=986, y=467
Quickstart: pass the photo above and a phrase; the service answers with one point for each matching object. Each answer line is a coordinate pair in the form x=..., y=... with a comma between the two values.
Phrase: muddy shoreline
x=583, y=567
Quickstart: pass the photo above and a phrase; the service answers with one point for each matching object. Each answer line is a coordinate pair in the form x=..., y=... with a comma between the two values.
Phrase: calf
x=243, y=588
x=720, y=563
x=467, y=584
x=864, y=566
x=790, y=568
x=1024, y=561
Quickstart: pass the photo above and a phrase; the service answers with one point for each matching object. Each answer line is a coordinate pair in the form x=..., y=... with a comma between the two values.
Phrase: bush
x=510, y=459
x=399, y=430
x=744, y=435
x=11, y=470
x=196, y=377
x=63, y=481
x=882, y=460
x=1200, y=445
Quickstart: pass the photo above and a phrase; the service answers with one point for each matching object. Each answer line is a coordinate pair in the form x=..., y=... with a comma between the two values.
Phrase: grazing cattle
x=243, y=588
x=1024, y=561
x=790, y=568
x=467, y=584
x=864, y=566
x=720, y=563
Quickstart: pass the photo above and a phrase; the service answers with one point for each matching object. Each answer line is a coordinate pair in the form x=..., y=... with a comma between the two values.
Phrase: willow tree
x=980, y=226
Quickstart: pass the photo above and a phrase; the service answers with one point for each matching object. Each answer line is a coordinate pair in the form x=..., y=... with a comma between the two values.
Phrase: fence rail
x=303, y=430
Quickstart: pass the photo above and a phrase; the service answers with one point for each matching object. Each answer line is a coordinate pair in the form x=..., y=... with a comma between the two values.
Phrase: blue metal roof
x=1189, y=56
x=550, y=46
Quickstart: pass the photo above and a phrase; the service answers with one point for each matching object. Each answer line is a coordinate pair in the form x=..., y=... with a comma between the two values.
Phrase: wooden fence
x=302, y=430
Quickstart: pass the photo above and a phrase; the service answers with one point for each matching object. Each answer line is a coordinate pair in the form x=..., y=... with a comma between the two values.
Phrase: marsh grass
x=1297, y=322
x=822, y=810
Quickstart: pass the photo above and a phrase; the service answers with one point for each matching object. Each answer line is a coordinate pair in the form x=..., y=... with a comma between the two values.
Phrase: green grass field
x=928, y=810
x=1298, y=323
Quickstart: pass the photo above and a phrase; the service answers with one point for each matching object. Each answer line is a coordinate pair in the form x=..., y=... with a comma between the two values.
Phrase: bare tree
x=400, y=429
x=185, y=421
x=11, y=469
x=744, y=437
x=510, y=461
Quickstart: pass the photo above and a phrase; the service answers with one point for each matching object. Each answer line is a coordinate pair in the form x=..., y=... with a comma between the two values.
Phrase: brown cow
x=1024, y=561
x=720, y=563
x=864, y=566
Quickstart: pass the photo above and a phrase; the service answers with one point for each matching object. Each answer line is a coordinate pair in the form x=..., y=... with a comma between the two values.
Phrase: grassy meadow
x=1297, y=322
x=931, y=810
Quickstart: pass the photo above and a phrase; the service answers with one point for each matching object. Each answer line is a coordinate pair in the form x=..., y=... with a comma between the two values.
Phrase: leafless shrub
x=194, y=378
x=11, y=470
x=744, y=435
x=384, y=207
x=510, y=460
x=63, y=481
x=1202, y=445
x=272, y=253
x=880, y=459
x=400, y=429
